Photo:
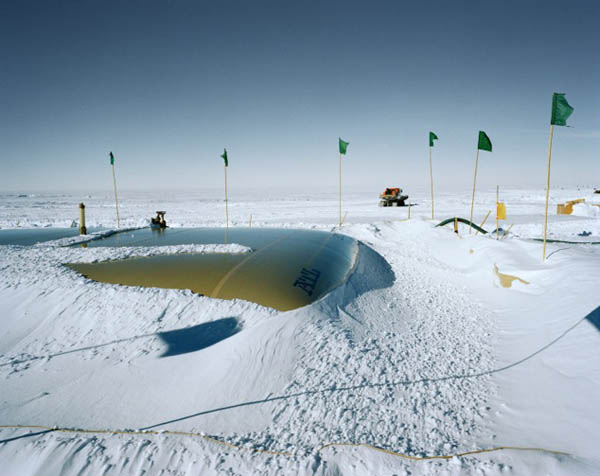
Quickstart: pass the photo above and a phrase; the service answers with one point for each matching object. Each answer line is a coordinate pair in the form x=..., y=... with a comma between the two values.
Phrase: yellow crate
x=567, y=208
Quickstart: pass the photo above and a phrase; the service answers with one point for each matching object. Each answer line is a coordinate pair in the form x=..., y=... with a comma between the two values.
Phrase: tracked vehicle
x=391, y=197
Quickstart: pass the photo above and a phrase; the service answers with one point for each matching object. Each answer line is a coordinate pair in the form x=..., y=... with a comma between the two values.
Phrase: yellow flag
x=501, y=211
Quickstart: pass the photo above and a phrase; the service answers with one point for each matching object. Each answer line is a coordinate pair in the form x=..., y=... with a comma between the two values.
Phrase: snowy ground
x=423, y=352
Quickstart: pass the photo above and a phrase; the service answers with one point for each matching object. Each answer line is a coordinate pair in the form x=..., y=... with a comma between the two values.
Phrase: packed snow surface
x=424, y=351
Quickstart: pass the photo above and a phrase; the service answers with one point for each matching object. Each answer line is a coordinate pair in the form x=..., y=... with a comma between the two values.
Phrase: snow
x=139, y=251
x=422, y=352
x=586, y=210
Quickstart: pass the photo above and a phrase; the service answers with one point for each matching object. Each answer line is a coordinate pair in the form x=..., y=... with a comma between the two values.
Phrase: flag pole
x=116, y=200
x=340, y=188
x=497, y=199
x=431, y=177
x=547, y=192
x=226, y=207
x=473, y=198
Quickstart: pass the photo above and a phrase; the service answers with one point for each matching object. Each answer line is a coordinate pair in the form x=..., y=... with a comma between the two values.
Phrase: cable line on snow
x=50, y=429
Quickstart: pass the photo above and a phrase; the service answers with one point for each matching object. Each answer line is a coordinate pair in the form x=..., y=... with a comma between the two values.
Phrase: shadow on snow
x=194, y=338
x=179, y=341
x=593, y=317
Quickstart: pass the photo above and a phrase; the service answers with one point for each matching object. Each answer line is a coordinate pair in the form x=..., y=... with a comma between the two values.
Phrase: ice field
x=430, y=348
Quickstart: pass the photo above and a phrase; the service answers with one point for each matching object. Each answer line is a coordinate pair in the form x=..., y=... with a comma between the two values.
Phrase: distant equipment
x=158, y=221
x=567, y=208
x=391, y=197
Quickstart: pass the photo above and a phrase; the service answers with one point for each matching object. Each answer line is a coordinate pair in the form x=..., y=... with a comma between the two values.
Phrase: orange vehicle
x=392, y=196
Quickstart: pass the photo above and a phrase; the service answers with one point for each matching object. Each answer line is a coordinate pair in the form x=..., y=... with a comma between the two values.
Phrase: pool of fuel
x=286, y=268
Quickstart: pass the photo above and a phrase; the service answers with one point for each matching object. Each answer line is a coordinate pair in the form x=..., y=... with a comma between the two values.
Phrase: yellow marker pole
x=483, y=222
x=250, y=224
x=340, y=187
x=116, y=200
x=506, y=233
x=226, y=207
x=431, y=177
x=547, y=192
x=409, y=211
x=82, y=228
x=473, y=198
x=497, y=199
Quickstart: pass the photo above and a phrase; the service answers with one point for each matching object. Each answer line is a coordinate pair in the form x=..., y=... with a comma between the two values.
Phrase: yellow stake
x=82, y=228
x=431, y=177
x=340, y=187
x=547, y=192
x=116, y=200
x=250, y=221
x=506, y=232
x=483, y=222
x=497, y=198
x=473, y=198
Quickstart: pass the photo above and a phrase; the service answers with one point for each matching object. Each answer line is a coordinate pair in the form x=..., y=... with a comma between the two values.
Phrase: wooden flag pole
x=547, y=192
x=226, y=208
x=497, y=199
x=473, y=198
x=116, y=200
x=431, y=177
x=340, y=187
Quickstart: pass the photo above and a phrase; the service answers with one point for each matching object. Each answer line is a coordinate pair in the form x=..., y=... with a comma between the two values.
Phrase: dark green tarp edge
x=568, y=242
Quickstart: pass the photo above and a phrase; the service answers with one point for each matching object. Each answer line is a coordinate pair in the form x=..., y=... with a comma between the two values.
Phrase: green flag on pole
x=112, y=159
x=561, y=110
x=432, y=137
x=484, y=142
x=343, y=147
x=224, y=157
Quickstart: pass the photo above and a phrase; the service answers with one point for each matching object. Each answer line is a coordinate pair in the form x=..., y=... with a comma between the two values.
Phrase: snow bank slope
x=409, y=356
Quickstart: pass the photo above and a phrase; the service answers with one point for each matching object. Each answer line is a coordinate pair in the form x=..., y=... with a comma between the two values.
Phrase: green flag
x=560, y=110
x=224, y=157
x=484, y=142
x=432, y=137
x=343, y=147
x=112, y=159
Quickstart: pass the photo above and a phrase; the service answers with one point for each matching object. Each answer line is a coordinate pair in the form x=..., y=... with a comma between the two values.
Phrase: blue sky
x=167, y=85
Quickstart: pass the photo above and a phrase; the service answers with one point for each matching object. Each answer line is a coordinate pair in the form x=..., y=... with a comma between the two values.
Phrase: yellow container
x=501, y=211
x=567, y=208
